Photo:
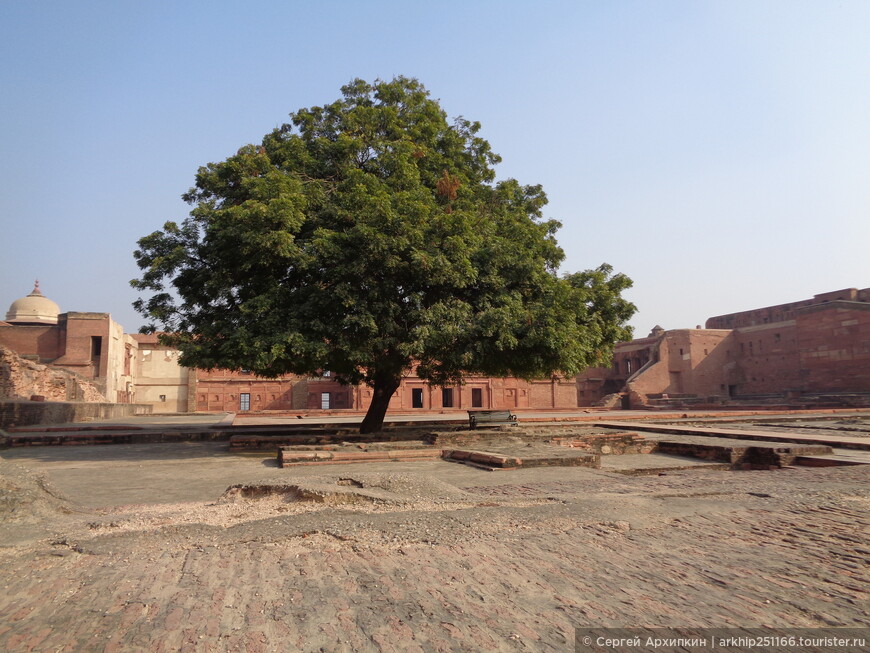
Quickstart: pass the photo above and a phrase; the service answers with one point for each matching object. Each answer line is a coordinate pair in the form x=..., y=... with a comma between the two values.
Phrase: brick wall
x=813, y=346
x=85, y=345
x=833, y=342
x=783, y=312
x=41, y=343
x=767, y=359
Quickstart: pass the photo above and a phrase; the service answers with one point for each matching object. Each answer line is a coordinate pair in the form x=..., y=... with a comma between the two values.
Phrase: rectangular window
x=447, y=397
x=244, y=401
x=476, y=398
x=96, y=347
x=325, y=402
x=416, y=397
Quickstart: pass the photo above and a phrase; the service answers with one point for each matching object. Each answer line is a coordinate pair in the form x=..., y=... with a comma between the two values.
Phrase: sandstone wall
x=40, y=343
x=15, y=413
x=834, y=347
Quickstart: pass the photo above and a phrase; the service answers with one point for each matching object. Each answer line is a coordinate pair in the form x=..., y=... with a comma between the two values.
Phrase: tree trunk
x=382, y=391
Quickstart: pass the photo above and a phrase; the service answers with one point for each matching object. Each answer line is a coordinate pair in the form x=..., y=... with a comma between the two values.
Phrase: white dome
x=36, y=308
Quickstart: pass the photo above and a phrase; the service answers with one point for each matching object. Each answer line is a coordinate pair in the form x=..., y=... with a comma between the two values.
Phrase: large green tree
x=368, y=236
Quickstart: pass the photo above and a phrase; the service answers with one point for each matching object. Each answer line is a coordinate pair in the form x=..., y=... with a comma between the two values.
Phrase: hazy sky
x=716, y=152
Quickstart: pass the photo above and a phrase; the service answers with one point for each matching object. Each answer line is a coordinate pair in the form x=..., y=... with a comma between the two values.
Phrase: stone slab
x=833, y=440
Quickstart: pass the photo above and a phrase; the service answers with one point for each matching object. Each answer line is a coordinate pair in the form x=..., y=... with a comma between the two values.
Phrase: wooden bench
x=490, y=417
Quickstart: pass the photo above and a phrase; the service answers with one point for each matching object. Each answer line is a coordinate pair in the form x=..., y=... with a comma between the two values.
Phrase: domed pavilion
x=35, y=309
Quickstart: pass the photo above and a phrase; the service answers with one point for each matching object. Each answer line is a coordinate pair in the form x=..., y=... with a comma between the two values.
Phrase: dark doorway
x=416, y=397
x=476, y=398
x=96, y=352
x=447, y=397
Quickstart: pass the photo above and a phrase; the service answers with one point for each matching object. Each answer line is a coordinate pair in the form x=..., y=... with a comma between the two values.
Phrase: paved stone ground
x=532, y=555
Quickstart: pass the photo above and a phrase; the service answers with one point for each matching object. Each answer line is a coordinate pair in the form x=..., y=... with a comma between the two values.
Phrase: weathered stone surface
x=505, y=572
x=288, y=456
x=23, y=379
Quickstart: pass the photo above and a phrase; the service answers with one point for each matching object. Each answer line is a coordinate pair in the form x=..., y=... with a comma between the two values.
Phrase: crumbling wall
x=23, y=379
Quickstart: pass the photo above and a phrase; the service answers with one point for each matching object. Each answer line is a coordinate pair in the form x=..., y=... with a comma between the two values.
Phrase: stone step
x=491, y=460
x=748, y=455
x=834, y=459
x=834, y=440
x=43, y=439
x=271, y=442
x=288, y=457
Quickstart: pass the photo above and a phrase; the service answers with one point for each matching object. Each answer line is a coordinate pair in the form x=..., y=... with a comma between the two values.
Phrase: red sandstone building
x=135, y=368
x=89, y=345
x=224, y=390
x=803, y=350
x=812, y=348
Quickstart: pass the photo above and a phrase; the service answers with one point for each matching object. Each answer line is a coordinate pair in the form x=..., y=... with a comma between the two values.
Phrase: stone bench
x=490, y=417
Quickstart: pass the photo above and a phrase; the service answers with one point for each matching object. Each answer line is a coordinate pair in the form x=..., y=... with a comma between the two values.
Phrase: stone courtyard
x=187, y=547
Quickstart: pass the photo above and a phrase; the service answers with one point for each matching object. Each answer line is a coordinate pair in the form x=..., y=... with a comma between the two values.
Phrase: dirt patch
x=29, y=505
x=375, y=488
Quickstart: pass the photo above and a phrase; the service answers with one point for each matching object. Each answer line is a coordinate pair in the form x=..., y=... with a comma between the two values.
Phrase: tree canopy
x=366, y=237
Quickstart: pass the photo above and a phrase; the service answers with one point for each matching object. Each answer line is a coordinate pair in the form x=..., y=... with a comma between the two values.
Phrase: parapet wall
x=27, y=413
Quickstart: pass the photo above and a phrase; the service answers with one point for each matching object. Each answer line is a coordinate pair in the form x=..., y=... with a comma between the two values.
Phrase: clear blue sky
x=716, y=152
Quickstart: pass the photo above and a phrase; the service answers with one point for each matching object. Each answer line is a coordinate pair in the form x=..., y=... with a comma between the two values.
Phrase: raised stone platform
x=96, y=435
x=836, y=458
x=655, y=464
x=363, y=453
x=538, y=458
x=741, y=455
x=833, y=440
x=313, y=437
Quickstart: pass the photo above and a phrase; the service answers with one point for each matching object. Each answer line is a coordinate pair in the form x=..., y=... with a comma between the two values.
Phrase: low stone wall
x=563, y=436
x=26, y=413
x=748, y=456
x=845, y=399
x=608, y=443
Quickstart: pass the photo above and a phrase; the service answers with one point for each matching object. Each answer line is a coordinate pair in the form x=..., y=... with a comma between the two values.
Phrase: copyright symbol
x=587, y=641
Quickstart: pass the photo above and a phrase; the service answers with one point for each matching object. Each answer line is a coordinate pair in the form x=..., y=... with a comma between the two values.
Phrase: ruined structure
x=814, y=347
x=24, y=379
x=90, y=345
x=136, y=368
